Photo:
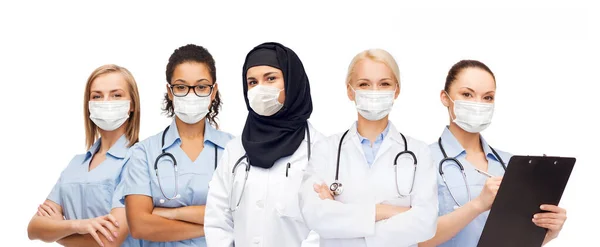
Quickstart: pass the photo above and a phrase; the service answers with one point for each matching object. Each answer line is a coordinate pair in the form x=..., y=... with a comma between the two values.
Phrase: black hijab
x=268, y=138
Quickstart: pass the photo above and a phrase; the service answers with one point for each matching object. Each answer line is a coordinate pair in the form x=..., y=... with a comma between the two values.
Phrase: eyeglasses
x=181, y=90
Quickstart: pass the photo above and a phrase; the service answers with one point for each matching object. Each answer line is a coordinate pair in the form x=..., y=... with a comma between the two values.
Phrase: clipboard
x=529, y=181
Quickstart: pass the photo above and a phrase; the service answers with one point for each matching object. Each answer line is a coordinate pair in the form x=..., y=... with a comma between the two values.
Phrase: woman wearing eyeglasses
x=371, y=185
x=166, y=176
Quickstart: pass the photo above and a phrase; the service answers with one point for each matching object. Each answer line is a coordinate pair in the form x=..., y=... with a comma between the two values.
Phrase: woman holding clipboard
x=470, y=170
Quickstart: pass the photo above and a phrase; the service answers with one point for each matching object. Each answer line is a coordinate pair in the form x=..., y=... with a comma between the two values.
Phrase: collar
x=379, y=138
x=211, y=134
x=118, y=150
x=453, y=148
x=389, y=132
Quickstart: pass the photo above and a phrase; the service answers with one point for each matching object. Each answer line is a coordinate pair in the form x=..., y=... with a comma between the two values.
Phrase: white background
x=544, y=55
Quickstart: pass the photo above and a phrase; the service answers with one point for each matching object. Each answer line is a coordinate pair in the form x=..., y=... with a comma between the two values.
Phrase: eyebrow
x=269, y=73
x=112, y=91
x=183, y=81
x=474, y=90
x=468, y=88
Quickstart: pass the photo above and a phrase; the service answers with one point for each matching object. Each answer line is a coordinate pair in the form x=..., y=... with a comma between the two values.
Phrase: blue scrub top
x=84, y=194
x=468, y=236
x=193, y=176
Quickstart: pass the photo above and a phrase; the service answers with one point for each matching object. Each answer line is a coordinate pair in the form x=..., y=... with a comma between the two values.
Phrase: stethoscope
x=172, y=158
x=462, y=170
x=336, y=186
x=246, y=162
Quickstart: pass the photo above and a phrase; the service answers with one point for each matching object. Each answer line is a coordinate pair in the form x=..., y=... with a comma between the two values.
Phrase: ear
x=169, y=92
x=397, y=91
x=444, y=98
x=350, y=92
x=215, y=90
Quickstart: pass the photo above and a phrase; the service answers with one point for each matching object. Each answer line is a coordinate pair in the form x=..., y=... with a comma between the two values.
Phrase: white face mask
x=264, y=100
x=191, y=109
x=374, y=104
x=471, y=116
x=109, y=115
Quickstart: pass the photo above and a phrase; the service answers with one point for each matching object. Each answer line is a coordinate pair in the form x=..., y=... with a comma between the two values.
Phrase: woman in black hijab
x=253, y=196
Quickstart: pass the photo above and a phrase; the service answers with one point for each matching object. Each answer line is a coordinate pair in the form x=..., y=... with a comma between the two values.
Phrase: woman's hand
x=107, y=225
x=488, y=194
x=553, y=220
x=323, y=191
x=50, y=211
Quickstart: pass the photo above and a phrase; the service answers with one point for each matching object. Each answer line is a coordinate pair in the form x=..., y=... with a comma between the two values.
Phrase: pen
x=483, y=173
x=287, y=169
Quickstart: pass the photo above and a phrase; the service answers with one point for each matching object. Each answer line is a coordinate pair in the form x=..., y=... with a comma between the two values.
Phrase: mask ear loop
x=450, y=113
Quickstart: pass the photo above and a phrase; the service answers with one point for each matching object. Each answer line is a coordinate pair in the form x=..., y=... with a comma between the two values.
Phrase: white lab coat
x=269, y=213
x=349, y=220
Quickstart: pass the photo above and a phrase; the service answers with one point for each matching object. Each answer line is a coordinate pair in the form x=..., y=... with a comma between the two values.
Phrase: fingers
x=548, y=224
x=97, y=226
x=550, y=216
x=43, y=211
x=317, y=187
x=48, y=209
x=96, y=237
x=112, y=219
x=553, y=208
x=54, y=209
x=110, y=226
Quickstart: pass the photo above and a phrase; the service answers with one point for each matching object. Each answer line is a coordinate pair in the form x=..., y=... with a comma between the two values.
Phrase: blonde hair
x=133, y=126
x=377, y=55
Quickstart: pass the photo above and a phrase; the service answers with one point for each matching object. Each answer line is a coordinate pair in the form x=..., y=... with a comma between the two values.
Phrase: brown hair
x=133, y=127
x=460, y=66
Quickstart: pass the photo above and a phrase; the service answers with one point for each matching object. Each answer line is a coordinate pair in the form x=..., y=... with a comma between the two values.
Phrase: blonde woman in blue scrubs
x=469, y=96
x=83, y=208
x=165, y=207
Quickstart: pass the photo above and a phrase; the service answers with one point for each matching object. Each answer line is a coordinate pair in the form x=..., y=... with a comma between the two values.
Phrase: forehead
x=372, y=70
x=191, y=70
x=107, y=82
x=476, y=79
x=261, y=70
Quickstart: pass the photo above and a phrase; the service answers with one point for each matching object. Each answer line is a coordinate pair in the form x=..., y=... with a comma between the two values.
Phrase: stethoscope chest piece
x=162, y=201
x=336, y=188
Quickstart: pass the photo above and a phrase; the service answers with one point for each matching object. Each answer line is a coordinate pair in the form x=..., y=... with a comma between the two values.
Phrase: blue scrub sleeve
x=55, y=193
x=135, y=178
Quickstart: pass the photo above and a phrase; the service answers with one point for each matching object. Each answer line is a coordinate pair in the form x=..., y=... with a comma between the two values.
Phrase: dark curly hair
x=198, y=54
